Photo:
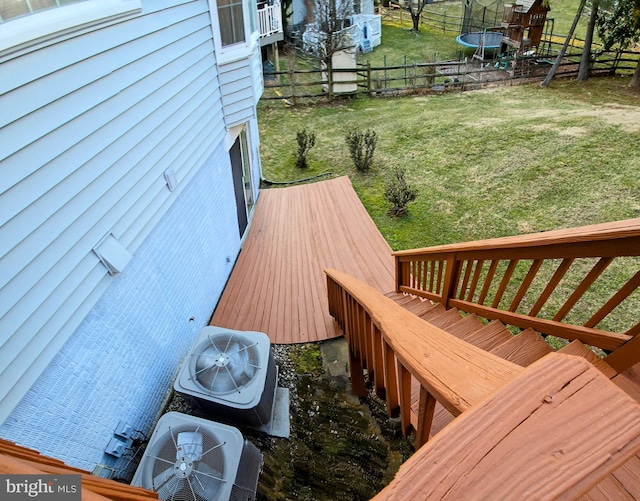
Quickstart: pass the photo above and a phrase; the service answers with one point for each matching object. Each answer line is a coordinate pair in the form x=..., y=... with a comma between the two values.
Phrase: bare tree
x=585, y=60
x=415, y=8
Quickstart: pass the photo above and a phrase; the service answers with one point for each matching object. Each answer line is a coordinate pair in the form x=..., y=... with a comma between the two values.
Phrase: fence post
x=369, y=78
x=385, y=71
x=293, y=85
x=405, y=70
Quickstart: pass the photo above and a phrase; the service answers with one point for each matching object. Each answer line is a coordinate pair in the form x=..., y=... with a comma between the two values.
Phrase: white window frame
x=43, y=25
x=241, y=50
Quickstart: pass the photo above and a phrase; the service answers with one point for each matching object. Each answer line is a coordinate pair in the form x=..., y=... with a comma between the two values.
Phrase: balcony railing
x=270, y=17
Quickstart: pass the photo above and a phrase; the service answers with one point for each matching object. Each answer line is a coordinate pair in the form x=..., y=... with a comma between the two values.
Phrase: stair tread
x=447, y=318
x=606, y=490
x=575, y=347
x=465, y=327
x=418, y=306
x=629, y=381
x=490, y=336
x=414, y=304
x=523, y=349
x=436, y=310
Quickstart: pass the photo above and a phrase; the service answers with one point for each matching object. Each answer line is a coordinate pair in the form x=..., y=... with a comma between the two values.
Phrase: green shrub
x=306, y=141
x=362, y=145
x=399, y=193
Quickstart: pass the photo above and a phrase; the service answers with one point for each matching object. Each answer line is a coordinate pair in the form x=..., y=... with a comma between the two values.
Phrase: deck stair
x=431, y=361
x=522, y=349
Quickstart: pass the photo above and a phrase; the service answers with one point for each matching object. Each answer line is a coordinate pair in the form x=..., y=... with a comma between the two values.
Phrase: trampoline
x=492, y=39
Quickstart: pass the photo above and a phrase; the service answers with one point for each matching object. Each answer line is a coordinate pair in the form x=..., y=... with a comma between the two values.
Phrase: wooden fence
x=295, y=84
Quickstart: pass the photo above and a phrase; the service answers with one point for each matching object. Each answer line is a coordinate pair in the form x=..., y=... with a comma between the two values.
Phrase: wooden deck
x=278, y=285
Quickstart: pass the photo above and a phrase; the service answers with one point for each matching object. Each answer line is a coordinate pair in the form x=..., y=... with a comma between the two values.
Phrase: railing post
x=398, y=273
x=450, y=279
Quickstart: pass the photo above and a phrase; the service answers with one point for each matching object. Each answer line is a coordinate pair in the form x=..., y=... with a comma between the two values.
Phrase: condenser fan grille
x=224, y=363
x=188, y=464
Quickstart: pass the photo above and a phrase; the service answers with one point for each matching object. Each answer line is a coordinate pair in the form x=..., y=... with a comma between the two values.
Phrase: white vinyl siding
x=88, y=127
x=241, y=83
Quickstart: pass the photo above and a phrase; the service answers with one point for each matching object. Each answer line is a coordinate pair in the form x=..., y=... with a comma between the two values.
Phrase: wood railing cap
x=604, y=231
x=455, y=372
x=552, y=433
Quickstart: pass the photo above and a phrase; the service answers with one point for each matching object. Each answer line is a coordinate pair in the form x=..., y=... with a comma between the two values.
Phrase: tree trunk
x=556, y=64
x=585, y=60
x=635, y=79
x=415, y=18
x=330, y=76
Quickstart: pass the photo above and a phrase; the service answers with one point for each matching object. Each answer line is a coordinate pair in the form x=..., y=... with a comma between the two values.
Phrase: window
x=231, y=21
x=25, y=22
x=10, y=9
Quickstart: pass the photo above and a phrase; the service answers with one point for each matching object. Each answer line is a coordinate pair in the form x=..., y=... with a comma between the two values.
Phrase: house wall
x=90, y=122
x=120, y=363
x=242, y=85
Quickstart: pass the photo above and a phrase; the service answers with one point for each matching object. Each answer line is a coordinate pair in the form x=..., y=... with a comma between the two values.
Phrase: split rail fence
x=299, y=84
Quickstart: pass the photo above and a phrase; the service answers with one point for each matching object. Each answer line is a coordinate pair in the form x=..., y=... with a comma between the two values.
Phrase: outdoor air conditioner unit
x=231, y=375
x=194, y=459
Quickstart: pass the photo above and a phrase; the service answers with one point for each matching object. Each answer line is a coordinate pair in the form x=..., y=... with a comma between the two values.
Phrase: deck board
x=278, y=284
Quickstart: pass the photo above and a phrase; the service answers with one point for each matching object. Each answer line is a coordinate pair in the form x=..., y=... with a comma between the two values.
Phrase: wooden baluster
x=439, y=274
x=358, y=387
x=551, y=286
x=615, y=300
x=526, y=283
x=426, y=409
x=414, y=272
x=476, y=279
x=468, y=265
x=357, y=331
x=591, y=277
x=407, y=273
x=432, y=273
x=345, y=318
x=487, y=281
x=368, y=340
x=404, y=387
x=391, y=380
x=504, y=282
x=378, y=362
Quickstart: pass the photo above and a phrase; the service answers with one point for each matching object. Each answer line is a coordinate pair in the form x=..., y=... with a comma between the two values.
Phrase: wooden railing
x=394, y=345
x=555, y=432
x=18, y=460
x=579, y=283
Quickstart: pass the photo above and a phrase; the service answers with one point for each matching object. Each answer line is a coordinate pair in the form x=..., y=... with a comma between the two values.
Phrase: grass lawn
x=486, y=163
